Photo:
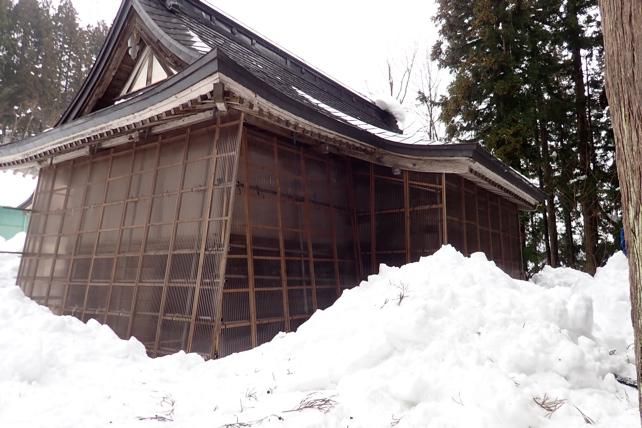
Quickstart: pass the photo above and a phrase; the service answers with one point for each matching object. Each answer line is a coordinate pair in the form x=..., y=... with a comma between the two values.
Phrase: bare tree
x=621, y=23
x=398, y=89
x=427, y=97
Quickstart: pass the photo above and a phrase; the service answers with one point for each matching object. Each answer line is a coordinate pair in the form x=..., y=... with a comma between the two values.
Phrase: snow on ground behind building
x=16, y=188
x=448, y=341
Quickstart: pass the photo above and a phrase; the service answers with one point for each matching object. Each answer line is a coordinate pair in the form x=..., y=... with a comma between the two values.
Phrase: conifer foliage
x=528, y=84
x=45, y=54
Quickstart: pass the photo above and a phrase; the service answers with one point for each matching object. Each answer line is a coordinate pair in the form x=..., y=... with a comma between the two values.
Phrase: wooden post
x=218, y=301
x=120, y=232
x=143, y=244
x=248, y=244
x=490, y=227
x=354, y=221
x=306, y=222
x=90, y=165
x=279, y=209
x=373, y=229
x=30, y=234
x=43, y=231
x=406, y=207
x=333, y=227
x=60, y=228
x=444, y=224
x=172, y=240
x=99, y=226
x=464, y=225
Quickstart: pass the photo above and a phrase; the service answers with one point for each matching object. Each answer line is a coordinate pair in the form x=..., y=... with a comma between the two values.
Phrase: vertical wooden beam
x=90, y=165
x=479, y=246
x=333, y=228
x=249, y=244
x=306, y=223
x=150, y=64
x=57, y=246
x=218, y=300
x=501, y=233
x=444, y=211
x=279, y=213
x=205, y=227
x=354, y=220
x=373, y=221
x=490, y=226
x=120, y=231
x=100, y=223
x=172, y=240
x=30, y=233
x=406, y=208
x=43, y=232
x=464, y=225
x=521, y=247
x=143, y=244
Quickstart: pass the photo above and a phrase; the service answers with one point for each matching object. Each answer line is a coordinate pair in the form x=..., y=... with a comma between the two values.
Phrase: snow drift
x=448, y=341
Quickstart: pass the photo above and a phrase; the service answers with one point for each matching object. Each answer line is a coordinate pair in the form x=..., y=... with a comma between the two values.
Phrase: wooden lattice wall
x=214, y=238
x=136, y=237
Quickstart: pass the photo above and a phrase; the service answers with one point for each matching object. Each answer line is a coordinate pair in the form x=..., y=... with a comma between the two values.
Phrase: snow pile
x=392, y=106
x=609, y=294
x=448, y=341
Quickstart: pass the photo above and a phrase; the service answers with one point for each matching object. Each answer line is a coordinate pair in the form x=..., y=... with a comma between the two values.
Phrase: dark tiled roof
x=195, y=25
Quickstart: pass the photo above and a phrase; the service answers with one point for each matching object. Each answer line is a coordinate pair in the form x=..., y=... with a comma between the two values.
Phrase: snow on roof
x=198, y=43
x=393, y=107
x=414, y=138
x=449, y=341
x=210, y=4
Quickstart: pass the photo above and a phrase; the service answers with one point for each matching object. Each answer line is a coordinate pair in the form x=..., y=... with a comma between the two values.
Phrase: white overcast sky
x=348, y=39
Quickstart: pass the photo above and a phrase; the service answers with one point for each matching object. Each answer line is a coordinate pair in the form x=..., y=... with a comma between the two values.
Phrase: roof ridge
x=214, y=14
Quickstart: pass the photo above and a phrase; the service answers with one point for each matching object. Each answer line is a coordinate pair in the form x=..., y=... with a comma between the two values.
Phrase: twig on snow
x=551, y=405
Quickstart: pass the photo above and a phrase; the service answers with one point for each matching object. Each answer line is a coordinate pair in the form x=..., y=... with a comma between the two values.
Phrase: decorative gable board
x=132, y=60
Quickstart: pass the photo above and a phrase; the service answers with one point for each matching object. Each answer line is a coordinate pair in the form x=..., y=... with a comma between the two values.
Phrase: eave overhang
x=189, y=96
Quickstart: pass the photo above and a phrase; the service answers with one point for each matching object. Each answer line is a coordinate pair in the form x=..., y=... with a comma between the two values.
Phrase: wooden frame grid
x=117, y=236
x=483, y=221
x=279, y=271
x=404, y=207
x=214, y=238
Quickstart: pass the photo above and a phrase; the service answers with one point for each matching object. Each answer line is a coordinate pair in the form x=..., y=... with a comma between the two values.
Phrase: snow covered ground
x=449, y=341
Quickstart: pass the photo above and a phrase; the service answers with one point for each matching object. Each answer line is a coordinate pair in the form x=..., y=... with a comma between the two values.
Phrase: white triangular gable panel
x=148, y=70
x=158, y=73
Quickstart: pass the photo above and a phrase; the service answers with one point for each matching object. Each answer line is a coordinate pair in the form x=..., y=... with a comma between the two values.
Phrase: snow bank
x=448, y=341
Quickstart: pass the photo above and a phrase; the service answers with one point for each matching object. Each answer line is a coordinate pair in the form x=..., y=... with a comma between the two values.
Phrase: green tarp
x=12, y=221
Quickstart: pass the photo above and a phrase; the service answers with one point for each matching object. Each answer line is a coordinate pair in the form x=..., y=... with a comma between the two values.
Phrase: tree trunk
x=549, y=188
x=568, y=235
x=587, y=194
x=545, y=223
x=621, y=23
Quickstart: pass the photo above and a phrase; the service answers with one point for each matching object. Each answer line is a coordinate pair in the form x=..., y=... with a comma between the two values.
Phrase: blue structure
x=622, y=241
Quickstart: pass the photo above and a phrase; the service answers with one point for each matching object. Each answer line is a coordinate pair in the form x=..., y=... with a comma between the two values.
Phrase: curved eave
x=192, y=83
x=261, y=97
x=246, y=92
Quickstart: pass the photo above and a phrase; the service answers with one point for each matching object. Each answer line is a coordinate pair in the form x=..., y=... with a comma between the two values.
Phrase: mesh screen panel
x=214, y=238
x=117, y=236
